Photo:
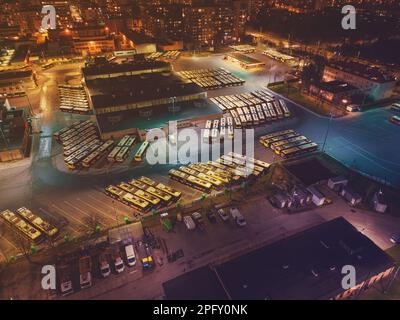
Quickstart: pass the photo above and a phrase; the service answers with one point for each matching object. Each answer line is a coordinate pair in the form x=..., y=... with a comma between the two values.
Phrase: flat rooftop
x=304, y=266
x=116, y=68
x=336, y=86
x=245, y=59
x=199, y=284
x=309, y=171
x=123, y=90
x=365, y=71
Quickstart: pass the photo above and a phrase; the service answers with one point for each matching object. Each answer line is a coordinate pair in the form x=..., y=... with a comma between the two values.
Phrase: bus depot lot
x=77, y=212
x=220, y=240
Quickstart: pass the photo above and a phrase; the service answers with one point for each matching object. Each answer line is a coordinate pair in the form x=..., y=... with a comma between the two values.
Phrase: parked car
x=211, y=216
x=198, y=219
x=130, y=255
x=189, y=223
x=118, y=263
x=353, y=108
x=395, y=238
x=104, y=266
x=237, y=217
x=223, y=215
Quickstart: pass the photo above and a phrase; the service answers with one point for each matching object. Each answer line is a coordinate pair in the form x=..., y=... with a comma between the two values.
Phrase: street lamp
x=328, y=129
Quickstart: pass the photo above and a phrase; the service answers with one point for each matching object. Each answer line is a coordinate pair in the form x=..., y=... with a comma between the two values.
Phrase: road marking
x=68, y=215
x=108, y=205
x=67, y=226
x=12, y=244
x=71, y=205
x=108, y=216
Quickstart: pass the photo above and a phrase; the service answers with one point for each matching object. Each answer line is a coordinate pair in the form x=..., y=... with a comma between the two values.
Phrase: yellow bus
x=218, y=176
x=38, y=222
x=28, y=231
x=141, y=151
x=165, y=197
x=217, y=184
x=148, y=181
x=199, y=184
x=136, y=202
x=174, y=193
x=138, y=184
x=115, y=192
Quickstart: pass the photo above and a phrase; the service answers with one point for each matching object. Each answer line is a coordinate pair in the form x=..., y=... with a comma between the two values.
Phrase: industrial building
x=305, y=266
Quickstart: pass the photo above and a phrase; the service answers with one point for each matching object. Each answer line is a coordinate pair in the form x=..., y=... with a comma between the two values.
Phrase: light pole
x=328, y=129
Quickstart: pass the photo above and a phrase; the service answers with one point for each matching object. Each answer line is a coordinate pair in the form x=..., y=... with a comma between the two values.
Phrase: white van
x=130, y=255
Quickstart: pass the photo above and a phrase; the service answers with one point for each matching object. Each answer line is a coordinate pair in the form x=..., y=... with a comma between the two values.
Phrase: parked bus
x=297, y=151
x=267, y=142
x=141, y=151
x=206, y=136
x=122, y=154
x=208, y=124
x=122, y=142
x=38, y=222
x=148, y=181
x=285, y=109
x=165, y=197
x=214, y=135
x=113, y=154
x=288, y=141
x=278, y=109
x=238, y=123
x=276, y=134
x=199, y=184
x=174, y=193
x=215, y=124
x=25, y=229
x=129, y=143
x=136, y=202
x=138, y=184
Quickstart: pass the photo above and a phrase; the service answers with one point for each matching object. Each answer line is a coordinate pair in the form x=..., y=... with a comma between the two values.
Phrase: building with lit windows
x=370, y=80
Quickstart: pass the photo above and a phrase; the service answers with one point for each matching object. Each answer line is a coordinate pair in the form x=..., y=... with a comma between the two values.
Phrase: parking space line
x=108, y=216
x=12, y=244
x=67, y=226
x=108, y=205
x=68, y=215
x=76, y=208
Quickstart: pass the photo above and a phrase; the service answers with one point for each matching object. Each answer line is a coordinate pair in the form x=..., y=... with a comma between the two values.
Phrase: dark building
x=306, y=266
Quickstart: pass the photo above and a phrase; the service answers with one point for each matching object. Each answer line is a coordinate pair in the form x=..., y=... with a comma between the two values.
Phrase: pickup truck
x=85, y=272
x=64, y=275
x=237, y=217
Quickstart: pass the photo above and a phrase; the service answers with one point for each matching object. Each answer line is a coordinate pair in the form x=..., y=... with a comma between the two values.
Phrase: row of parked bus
x=218, y=129
x=167, y=55
x=82, y=145
x=121, y=151
x=29, y=225
x=144, y=194
x=252, y=109
x=73, y=99
x=288, y=143
x=211, y=79
x=226, y=171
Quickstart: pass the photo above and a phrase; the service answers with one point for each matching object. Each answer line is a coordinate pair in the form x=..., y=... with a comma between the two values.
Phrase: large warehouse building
x=136, y=90
x=306, y=266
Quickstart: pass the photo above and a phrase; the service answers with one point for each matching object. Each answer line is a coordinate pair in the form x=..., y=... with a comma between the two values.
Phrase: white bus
x=122, y=154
